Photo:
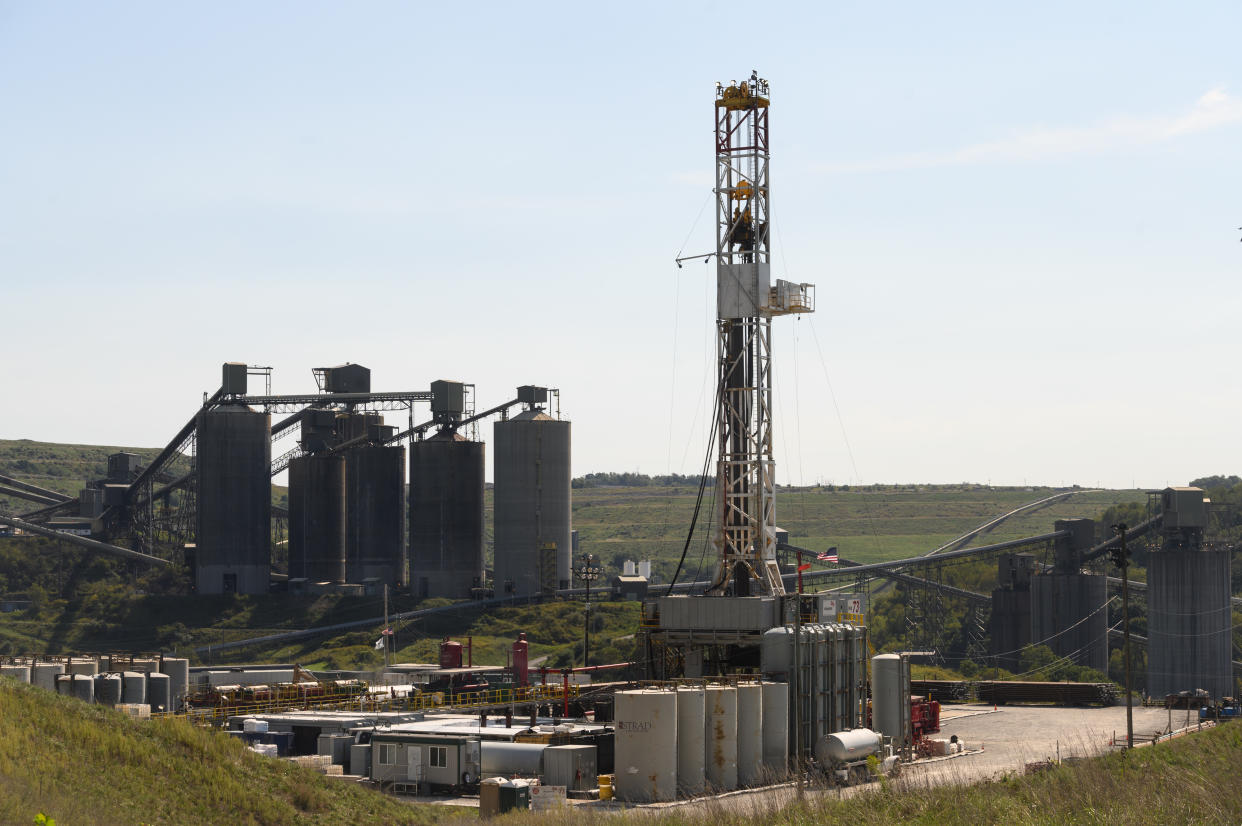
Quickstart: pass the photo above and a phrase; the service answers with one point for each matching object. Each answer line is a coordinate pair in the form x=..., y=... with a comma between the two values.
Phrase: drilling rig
x=719, y=630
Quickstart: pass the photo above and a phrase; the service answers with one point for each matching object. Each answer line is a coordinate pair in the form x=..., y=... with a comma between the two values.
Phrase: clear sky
x=1021, y=220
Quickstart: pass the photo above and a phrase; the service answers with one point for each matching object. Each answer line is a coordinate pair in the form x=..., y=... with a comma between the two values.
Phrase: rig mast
x=746, y=301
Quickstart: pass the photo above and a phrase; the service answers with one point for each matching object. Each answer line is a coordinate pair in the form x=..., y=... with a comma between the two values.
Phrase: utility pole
x=587, y=571
x=387, y=629
x=1121, y=558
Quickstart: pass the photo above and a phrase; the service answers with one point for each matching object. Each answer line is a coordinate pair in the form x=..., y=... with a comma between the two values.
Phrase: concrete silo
x=317, y=518
x=532, y=500
x=446, y=515
x=233, y=459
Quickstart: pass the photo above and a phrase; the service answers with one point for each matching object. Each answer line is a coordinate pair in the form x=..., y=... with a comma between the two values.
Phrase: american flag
x=829, y=555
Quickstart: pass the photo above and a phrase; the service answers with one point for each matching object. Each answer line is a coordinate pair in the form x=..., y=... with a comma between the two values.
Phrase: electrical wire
x=698, y=500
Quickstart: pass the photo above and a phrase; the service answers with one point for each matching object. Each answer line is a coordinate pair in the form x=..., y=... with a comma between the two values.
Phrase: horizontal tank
x=511, y=758
x=375, y=523
x=691, y=751
x=645, y=745
x=533, y=503
x=233, y=458
x=848, y=746
x=446, y=516
x=317, y=517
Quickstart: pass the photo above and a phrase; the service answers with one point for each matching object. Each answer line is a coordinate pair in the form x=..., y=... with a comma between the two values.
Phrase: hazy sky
x=1020, y=220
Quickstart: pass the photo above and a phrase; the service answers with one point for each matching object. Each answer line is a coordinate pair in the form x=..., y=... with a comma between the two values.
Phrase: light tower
x=746, y=301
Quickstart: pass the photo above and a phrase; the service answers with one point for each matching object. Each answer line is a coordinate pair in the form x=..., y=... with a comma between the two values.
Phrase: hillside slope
x=84, y=764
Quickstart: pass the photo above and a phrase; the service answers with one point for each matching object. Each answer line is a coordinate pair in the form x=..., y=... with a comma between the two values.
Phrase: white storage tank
x=87, y=665
x=133, y=687
x=178, y=671
x=890, y=696
x=848, y=746
x=64, y=684
x=21, y=673
x=646, y=745
x=108, y=689
x=691, y=752
x=776, y=728
x=776, y=651
x=44, y=674
x=721, y=737
x=749, y=734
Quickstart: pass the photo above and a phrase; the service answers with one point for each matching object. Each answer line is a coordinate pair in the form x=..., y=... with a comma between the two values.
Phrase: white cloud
x=1214, y=109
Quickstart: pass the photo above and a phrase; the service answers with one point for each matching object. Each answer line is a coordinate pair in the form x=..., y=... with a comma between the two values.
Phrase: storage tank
x=720, y=717
x=646, y=745
x=159, y=692
x=776, y=728
x=88, y=666
x=776, y=652
x=749, y=734
x=511, y=758
x=450, y=654
x=64, y=684
x=108, y=689
x=1189, y=622
x=375, y=524
x=848, y=746
x=178, y=671
x=44, y=674
x=691, y=751
x=532, y=503
x=446, y=515
x=233, y=458
x=133, y=687
x=21, y=673
x=317, y=518
x=890, y=697
x=521, y=660
x=82, y=686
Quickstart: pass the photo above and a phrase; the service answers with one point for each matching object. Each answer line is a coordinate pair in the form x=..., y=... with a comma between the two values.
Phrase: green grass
x=85, y=764
x=1189, y=780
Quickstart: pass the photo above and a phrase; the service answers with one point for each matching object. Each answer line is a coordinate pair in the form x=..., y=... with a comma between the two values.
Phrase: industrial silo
x=375, y=520
x=446, y=515
x=233, y=457
x=532, y=503
x=1068, y=612
x=317, y=518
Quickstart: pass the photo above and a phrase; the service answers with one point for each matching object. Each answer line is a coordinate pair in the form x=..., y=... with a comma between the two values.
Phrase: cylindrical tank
x=144, y=665
x=776, y=651
x=108, y=689
x=233, y=458
x=521, y=660
x=178, y=671
x=720, y=720
x=646, y=745
x=375, y=521
x=749, y=734
x=511, y=758
x=1189, y=621
x=446, y=516
x=87, y=666
x=64, y=684
x=21, y=673
x=890, y=696
x=317, y=518
x=82, y=686
x=450, y=654
x=532, y=503
x=159, y=692
x=691, y=752
x=848, y=746
x=44, y=674
x=776, y=728
x=1066, y=611
x=133, y=687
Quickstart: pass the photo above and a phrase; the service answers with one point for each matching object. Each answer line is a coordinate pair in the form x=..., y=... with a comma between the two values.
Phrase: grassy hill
x=86, y=764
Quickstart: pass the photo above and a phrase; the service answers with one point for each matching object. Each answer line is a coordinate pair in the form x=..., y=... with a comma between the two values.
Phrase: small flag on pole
x=379, y=644
x=806, y=566
x=829, y=555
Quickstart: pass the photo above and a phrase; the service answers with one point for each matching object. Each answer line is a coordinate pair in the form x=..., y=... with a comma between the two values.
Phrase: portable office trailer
x=410, y=763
